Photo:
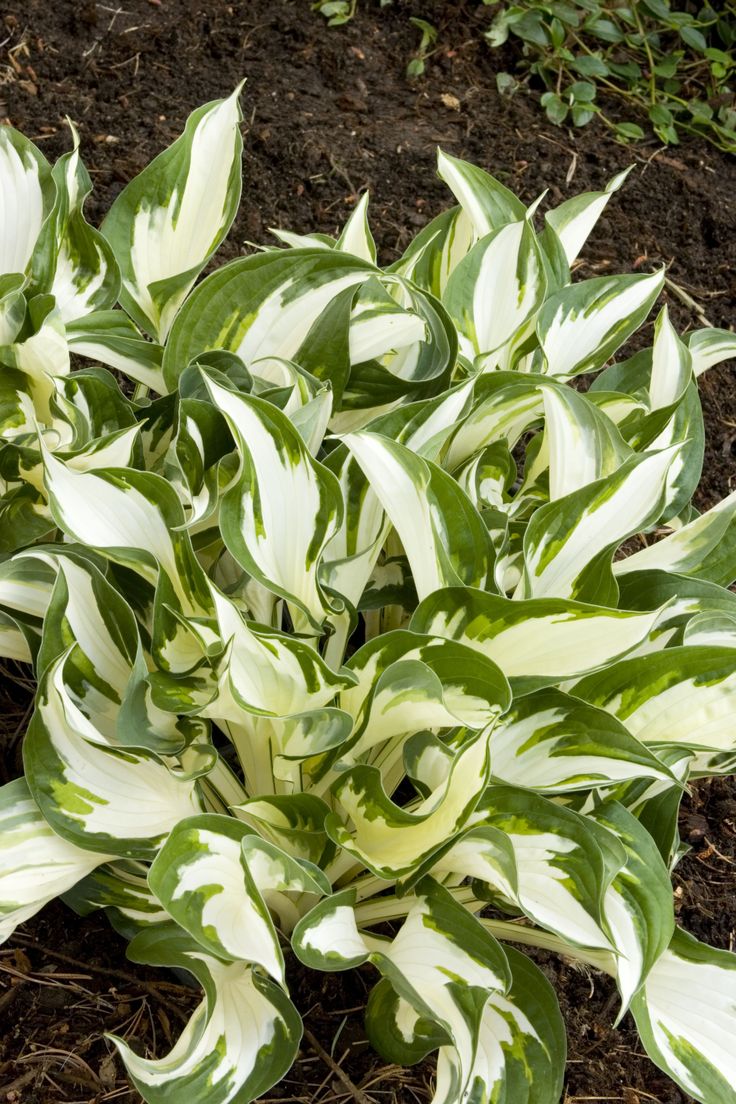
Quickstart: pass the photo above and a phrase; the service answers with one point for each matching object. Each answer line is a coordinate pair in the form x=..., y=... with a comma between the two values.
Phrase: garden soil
x=327, y=114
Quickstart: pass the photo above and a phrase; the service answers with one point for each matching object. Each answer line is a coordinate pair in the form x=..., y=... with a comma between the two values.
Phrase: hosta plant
x=319, y=565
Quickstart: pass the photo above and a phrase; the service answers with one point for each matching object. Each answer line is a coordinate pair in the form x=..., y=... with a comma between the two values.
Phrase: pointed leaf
x=72, y=260
x=443, y=535
x=486, y=202
x=684, y=696
x=553, y=743
x=709, y=347
x=704, y=548
x=283, y=509
x=496, y=289
x=166, y=224
x=569, y=543
x=538, y=639
x=356, y=237
x=26, y=195
x=574, y=219
x=584, y=324
x=582, y=444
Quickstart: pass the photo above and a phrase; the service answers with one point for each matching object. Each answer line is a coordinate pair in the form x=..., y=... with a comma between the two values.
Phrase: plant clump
x=316, y=562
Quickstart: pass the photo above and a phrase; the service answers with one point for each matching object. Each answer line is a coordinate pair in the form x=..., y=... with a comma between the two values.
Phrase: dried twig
x=688, y=300
x=356, y=1093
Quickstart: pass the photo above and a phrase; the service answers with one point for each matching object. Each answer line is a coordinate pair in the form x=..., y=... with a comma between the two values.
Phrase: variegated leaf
x=203, y=880
x=293, y=822
x=539, y=640
x=284, y=507
x=166, y=224
x=553, y=743
x=710, y=347
x=352, y=553
x=391, y=841
x=12, y=310
x=487, y=203
x=671, y=364
x=638, y=903
x=686, y=1016
x=16, y=639
x=72, y=261
x=573, y=220
x=42, y=356
x=564, y=862
x=686, y=599
x=494, y=291
x=111, y=338
x=582, y=444
x=435, y=252
x=406, y=683
x=136, y=519
x=36, y=864
x=521, y=1043
x=506, y=405
x=26, y=196
x=684, y=696
x=443, y=535
x=582, y=325
x=114, y=802
x=239, y=1041
x=122, y=889
x=271, y=304
x=444, y=984
x=705, y=548
x=569, y=543
x=356, y=237
x=710, y=630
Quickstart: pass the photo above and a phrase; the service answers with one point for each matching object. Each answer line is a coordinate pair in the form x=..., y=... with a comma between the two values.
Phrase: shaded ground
x=329, y=113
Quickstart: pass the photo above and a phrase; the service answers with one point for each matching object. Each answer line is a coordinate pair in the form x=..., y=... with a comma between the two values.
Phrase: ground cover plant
x=650, y=61
x=672, y=65
x=331, y=643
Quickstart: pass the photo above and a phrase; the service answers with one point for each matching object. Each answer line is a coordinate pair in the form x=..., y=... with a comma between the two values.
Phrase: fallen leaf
x=107, y=1072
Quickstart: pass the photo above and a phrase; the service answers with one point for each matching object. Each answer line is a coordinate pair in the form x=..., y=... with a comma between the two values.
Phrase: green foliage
x=671, y=65
x=674, y=67
x=317, y=566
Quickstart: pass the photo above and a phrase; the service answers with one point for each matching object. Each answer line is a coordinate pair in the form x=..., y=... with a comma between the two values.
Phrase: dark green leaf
x=531, y=28
x=694, y=38
x=590, y=66
x=605, y=29
x=667, y=68
x=629, y=70
x=557, y=33
x=629, y=131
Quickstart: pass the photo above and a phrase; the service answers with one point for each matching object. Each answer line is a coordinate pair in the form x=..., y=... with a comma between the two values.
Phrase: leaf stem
x=650, y=56
x=534, y=937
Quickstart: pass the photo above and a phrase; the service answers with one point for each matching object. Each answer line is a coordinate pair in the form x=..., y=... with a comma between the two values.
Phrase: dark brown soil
x=329, y=113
